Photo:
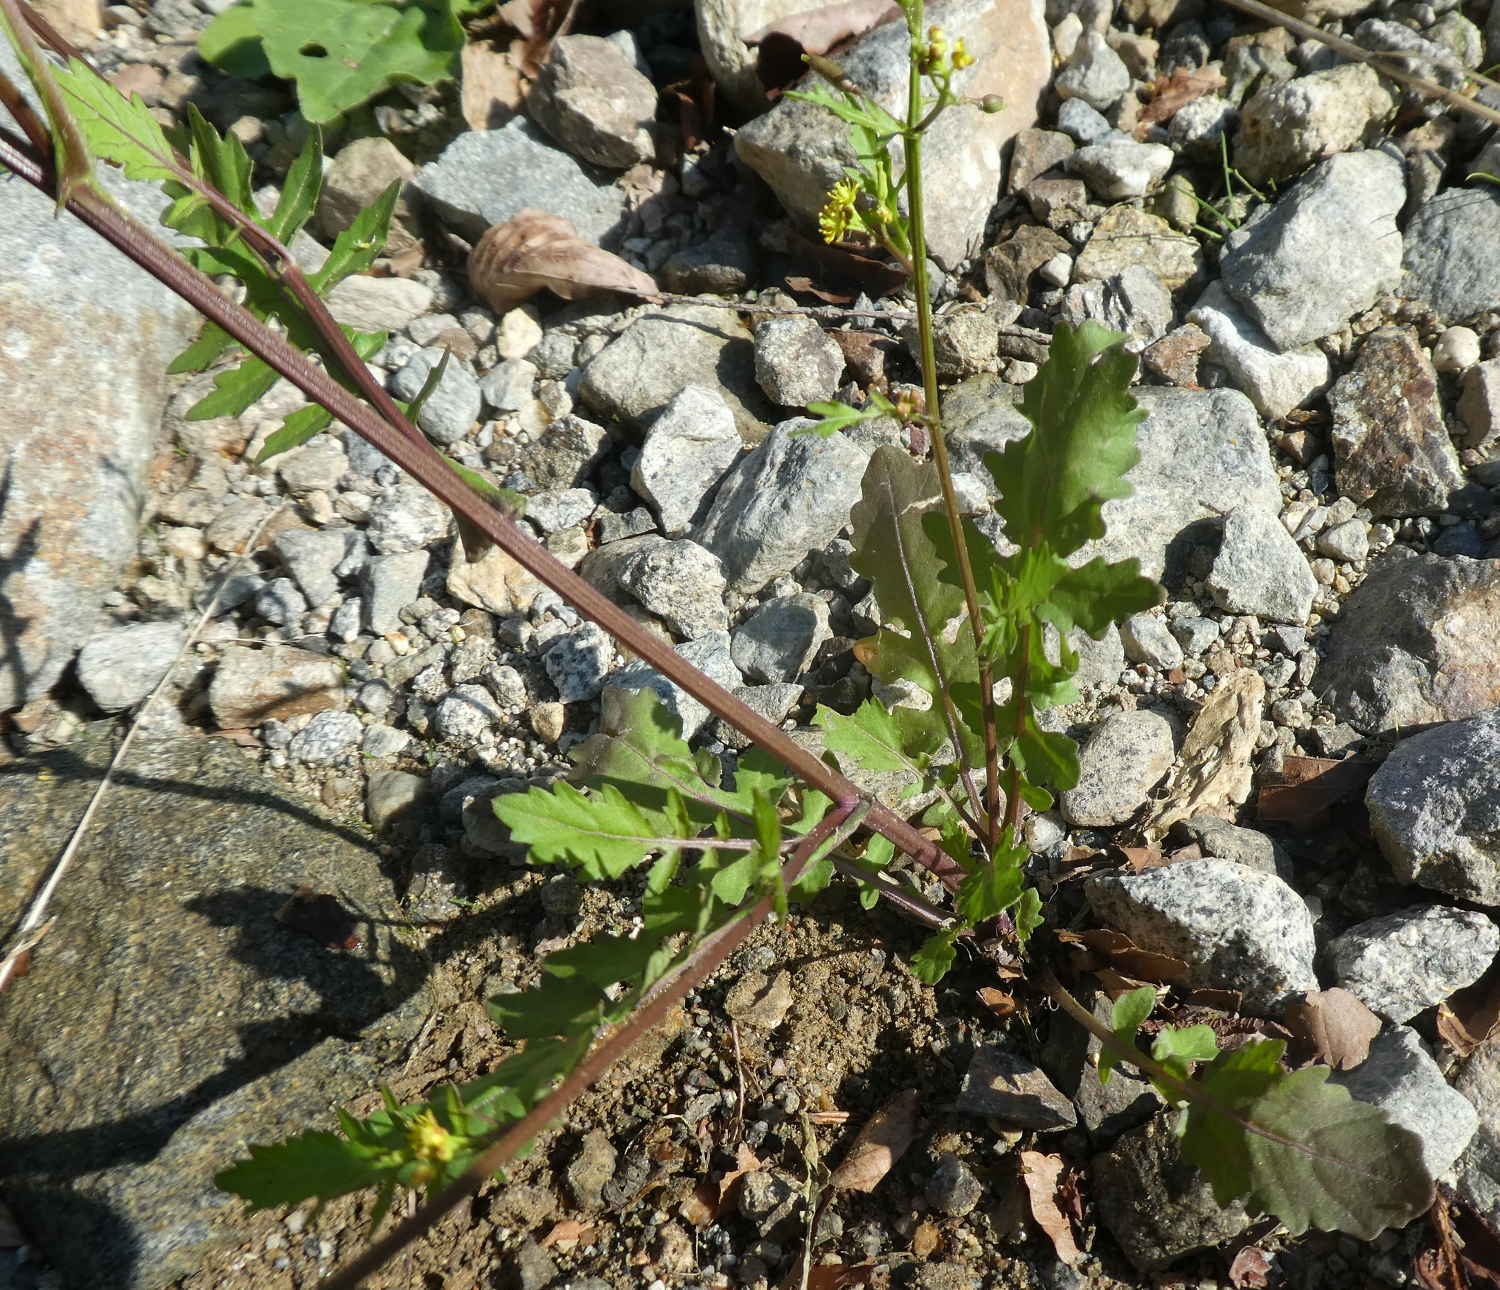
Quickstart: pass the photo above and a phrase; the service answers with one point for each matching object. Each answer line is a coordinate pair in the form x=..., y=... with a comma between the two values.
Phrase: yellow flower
x=835, y=218
x=961, y=56
x=428, y=1140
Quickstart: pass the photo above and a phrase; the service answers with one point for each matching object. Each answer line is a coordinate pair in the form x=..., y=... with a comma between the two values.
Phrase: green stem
x=912, y=180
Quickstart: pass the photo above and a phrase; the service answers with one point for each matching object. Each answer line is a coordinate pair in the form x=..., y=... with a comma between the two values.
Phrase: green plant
x=339, y=53
x=721, y=850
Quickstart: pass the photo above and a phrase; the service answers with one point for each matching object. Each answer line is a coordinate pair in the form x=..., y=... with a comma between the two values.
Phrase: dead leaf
x=1301, y=793
x=805, y=286
x=836, y=1276
x=1334, y=1025
x=567, y=1233
x=1250, y=1269
x=1170, y=94
x=865, y=353
x=1041, y=1173
x=1213, y=768
x=1139, y=858
x=997, y=1001
x=1214, y=997
x=745, y=1162
x=532, y=250
x=700, y=1207
x=883, y=1141
x=492, y=87
x=1470, y=1016
x=1127, y=957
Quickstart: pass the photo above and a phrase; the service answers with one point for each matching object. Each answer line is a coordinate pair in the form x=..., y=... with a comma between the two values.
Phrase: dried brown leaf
x=567, y=1231
x=745, y=1162
x=492, y=87
x=532, y=250
x=1041, y=1174
x=804, y=285
x=997, y=1001
x=1302, y=792
x=1127, y=957
x=1170, y=94
x=883, y=1141
x=1334, y=1025
x=1470, y=1016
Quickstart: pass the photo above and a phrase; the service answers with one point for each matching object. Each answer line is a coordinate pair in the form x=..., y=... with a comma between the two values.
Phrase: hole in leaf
x=313, y=50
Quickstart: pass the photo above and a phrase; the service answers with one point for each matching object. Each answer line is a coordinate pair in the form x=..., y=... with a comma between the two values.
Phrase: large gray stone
x=1236, y=928
x=1122, y=760
x=591, y=99
x=789, y=496
x=1435, y=808
x=1417, y=642
x=1260, y=570
x=1453, y=251
x=85, y=339
x=1478, y=1170
x=121, y=666
x=1402, y=963
x=1277, y=265
x=1391, y=446
x=484, y=177
x=1274, y=381
x=687, y=451
x=1289, y=125
x=175, y=1012
x=801, y=149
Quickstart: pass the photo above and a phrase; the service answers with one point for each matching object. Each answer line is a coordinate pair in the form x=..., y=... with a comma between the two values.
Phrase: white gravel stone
x=1122, y=760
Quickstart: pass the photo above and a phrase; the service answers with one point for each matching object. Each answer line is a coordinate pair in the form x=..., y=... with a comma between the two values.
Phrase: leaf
x=1470, y=1016
x=933, y=959
x=1302, y=793
x=1334, y=1025
x=1302, y=1149
x=1054, y=482
x=1028, y=914
x=1177, y=1048
x=1170, y=94
x=1098, y=594
x=532, y=250
x=1129, y=1011
x=231, y=42
x=881, y=1143
x=356, y=249
x=118, y=130
x=299, y=190
x=872, y=739
x=601, y=832
x=1040, y=1174
x=341, y=53
x=318, y=1164
x=990, y=890
x=834, y=417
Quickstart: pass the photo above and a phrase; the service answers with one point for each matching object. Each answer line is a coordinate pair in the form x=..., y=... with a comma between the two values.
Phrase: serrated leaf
x=1028, y=914
x=1097, y=594
x=358, y=247
x=835, y=416
x=558, y=1006
x=220, y=160
x=1054, y=481
x=988, y=891
x=315, y=1164
x=118, y=130
x=296, y=430
x=932, y=960
x=1047, y=756
x=342, y=53
x=234, y=390
x=1178, y=1047
x=873, y=740
x=299, y=190
x=1125, y=1019
x=1303, y=1149
x=601, y=832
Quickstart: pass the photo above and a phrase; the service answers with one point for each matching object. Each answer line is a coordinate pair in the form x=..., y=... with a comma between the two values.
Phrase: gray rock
x=568, y=451
x=578, y=662
x=1006, y=1085
x=789, y=496
x=406, y=519
x=964, y=338
x=1260, y=570
x=484, y=177
x=778, y=641
x=651, y=361
x=121, y=666
x=1478, y=1169
x=358, y=174
x=1126, y=237
x=1118, y=168
x=1391, y=446
x=328, y=737
x=1479, y=407
x=1417, y=642
x=1400, y=1077
x=88, y=338
x=1122, y=760
x=379, y=304
x=774, y=702
x=1277, y=266
x=391, y=794
x=1084, y=124
x=316, y=558
x=252, y=686
x=1227, y=841
x=1275, y=382
x=953, y=1189
x=722, y=26
x=1095, y=74
x=1349, y=541
x=1157, y=1205
x=1198, y=127
x=591, y=99
x=467, y=713
x=1070, y=1058
x=391, y=582
x=590, y=1170
x=1202, y=454
x=1403, y=963
x=1235, y=928
x=280, y=602
x=709, y=654
x=560, y=508
x=453, y=407
x=796, y=362
x=801, y=149
x=687, y=451
x=1452, y=253
x=1135, y=303
x=384, y=742
x=1288, y=126
x=1100, y=662
x=495, y=581
x=682, y=584
x=507, y=386
x=1148, y=641
x=1435, y=809
x=1195, y=635
x=1036, y=151
x=229, y=1025
x=316, y=466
